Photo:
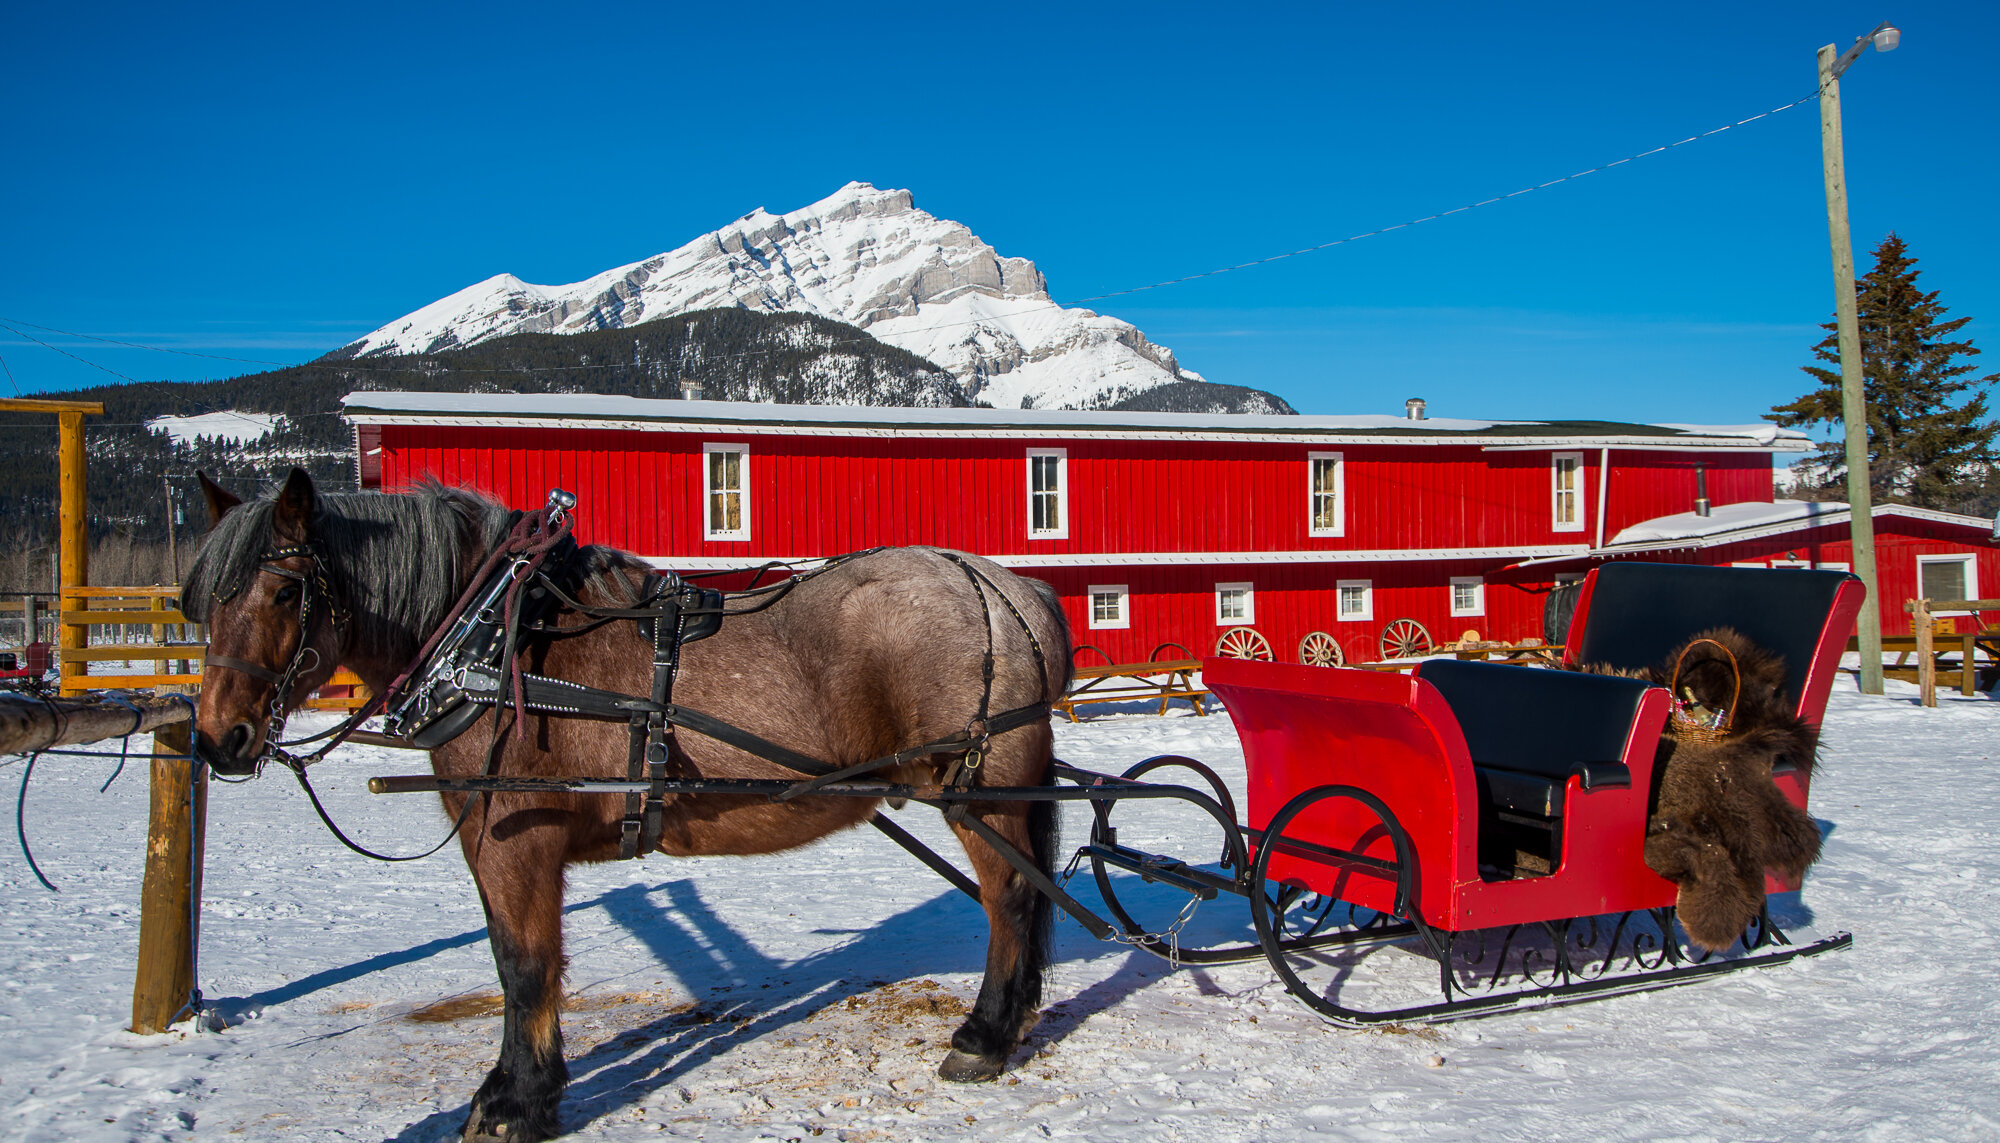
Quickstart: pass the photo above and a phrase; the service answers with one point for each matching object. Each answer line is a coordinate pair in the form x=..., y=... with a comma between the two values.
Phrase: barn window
x=1355, y=599
x=1326, y=496
x=1468, y=595
x=1235, y=603
x=1946, y=577
x=1108, y=607
x=724, y=476
x=1566, y=471
x=1048, y=487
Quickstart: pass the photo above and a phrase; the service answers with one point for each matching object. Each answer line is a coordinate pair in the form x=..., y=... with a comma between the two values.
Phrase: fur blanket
x=1717, y=820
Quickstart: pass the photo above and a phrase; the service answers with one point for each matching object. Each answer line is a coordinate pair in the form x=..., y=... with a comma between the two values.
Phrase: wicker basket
x=1692, y=727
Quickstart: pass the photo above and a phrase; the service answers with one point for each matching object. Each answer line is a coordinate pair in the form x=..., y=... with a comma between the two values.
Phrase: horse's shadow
x=745, y=994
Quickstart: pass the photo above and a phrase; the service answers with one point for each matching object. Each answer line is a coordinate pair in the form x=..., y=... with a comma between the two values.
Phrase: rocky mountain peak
x=862, y=255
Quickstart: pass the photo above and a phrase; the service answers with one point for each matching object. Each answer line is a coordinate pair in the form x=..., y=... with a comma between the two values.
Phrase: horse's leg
x=521, y=887
x=1017, y=952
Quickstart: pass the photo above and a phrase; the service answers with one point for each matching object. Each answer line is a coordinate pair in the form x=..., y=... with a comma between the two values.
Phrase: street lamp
x=1853, y=409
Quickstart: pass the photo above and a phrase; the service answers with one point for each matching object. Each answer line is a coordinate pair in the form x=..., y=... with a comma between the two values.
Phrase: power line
x=358, y=365
x=1443, y=214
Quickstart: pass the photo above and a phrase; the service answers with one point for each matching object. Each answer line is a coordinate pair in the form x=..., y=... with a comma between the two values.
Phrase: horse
x=863, y=660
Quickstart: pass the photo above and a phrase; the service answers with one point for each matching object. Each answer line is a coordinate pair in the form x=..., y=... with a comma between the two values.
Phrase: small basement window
x=1355, y=599
x=1468, y=595
x=1235, y=603
x=1108, y=607
x=725, y=479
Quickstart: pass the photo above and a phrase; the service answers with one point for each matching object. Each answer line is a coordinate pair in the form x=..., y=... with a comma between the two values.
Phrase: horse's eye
x=288, y=593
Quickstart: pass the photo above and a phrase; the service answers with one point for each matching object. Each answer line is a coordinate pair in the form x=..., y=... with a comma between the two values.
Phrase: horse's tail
x=1059, y=657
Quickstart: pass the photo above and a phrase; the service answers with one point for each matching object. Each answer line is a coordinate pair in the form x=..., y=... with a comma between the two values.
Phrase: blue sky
x=269, y=182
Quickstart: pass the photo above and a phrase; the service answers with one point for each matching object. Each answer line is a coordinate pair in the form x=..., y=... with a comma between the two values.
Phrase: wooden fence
x=128, y=625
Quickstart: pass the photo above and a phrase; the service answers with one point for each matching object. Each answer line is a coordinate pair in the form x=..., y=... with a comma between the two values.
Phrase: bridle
x=315, y=595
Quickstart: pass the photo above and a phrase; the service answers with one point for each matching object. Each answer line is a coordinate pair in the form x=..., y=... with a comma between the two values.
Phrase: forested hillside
x=734, y=354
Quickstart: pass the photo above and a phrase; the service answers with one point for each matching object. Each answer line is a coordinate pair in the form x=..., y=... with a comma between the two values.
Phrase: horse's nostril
x=236, y=741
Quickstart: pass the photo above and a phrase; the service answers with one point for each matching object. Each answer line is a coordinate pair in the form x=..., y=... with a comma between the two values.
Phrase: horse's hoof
x=480, y=1129
x=964, y=1067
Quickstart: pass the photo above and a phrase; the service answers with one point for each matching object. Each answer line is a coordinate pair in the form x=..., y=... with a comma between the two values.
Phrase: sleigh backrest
x=1632, y=615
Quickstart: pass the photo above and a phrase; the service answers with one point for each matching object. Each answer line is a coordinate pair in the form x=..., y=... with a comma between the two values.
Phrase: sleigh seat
x=1528, y=731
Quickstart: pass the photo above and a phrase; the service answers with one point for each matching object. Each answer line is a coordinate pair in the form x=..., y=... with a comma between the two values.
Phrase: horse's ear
x=294, y=508
x=220, y=499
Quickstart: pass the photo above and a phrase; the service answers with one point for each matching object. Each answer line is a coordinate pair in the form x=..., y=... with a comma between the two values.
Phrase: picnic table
x=1157, y=678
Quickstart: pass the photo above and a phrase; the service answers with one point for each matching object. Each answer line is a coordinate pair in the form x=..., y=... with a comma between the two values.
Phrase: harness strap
x=998, y=724
x=241, y=667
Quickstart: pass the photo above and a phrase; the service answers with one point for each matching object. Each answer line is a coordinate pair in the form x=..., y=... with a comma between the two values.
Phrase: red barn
x=1153, y=527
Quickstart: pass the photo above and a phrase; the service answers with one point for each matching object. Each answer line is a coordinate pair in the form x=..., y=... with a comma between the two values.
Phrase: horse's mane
x=398, y=558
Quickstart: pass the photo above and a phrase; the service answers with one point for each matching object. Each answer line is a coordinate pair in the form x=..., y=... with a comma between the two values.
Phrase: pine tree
x=1923, y=449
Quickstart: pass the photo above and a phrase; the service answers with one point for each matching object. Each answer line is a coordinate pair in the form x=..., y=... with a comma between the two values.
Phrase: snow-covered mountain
x=863, y=256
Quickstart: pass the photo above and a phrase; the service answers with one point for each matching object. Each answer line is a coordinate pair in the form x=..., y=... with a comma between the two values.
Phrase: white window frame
x=1966, y=559
x=1367, y=611
x=1778, y=563
x=1339, y=527
x=1556, y=492
x=1838, y=565
x=1061, y=530
x=1249, y=615
x=1478, y=586
x=708, y=489
x=1124, y=595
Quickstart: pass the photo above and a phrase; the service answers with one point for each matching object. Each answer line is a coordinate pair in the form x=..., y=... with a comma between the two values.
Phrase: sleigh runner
x=1493, y=819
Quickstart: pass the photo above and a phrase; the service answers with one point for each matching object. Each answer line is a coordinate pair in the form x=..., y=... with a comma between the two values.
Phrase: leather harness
x=468, y=664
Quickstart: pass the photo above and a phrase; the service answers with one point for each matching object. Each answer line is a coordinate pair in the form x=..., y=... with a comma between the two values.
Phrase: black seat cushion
x=1638, y=613
x=1529, y=728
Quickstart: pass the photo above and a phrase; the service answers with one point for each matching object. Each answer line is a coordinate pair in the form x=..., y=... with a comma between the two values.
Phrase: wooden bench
x=1162, y=679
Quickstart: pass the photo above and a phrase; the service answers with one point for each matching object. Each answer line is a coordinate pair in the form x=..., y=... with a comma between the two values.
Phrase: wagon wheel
x=1295, y=921
x=1244, y=643
x=1156, y=657
x=1148, y=913
x=1076, y=655
x=1405, y=639
x=1318, y=649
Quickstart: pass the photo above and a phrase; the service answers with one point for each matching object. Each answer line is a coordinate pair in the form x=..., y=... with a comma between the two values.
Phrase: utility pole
x=1853, y=405
x=173, y=561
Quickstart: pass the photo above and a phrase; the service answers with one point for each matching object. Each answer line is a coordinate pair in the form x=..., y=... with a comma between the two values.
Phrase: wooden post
x=1853, y=404
x=170, y=902
x=72, y=533
x=1920, y=626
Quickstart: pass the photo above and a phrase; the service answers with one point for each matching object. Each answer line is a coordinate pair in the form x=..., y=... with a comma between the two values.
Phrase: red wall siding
x=819, y=495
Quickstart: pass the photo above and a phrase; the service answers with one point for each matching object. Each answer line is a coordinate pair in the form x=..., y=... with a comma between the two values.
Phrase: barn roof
x=1735, y=523
x=580, y=410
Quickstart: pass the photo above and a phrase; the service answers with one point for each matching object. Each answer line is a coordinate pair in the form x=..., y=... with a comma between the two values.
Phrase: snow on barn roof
x=571, y=410
x=1730, y=523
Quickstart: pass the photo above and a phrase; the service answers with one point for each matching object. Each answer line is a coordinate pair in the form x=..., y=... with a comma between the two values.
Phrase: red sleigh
x=1494, y=817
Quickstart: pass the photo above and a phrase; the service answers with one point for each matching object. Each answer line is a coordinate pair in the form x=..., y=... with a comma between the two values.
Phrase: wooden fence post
x=1920, y=626
x=170, y=902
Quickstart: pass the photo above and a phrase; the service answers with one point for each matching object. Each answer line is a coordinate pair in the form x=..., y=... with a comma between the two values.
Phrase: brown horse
x=876, y=655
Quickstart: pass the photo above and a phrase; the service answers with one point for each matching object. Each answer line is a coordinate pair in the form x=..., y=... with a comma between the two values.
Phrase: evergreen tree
x=1923, y=449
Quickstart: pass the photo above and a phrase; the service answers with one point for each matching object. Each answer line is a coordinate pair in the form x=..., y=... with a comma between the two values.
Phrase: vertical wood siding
x=825, y=494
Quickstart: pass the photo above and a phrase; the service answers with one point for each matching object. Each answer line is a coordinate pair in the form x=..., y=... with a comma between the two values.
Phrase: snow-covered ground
x=810, y=994
x=229, y=425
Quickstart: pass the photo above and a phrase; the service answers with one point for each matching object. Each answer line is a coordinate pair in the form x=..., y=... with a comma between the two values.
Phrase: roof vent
x=690, y=389
x=1414, y=408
